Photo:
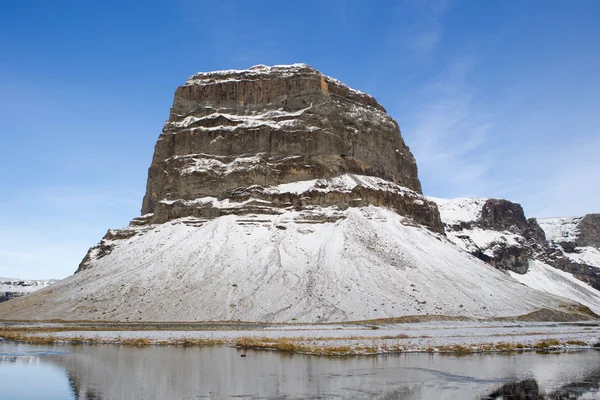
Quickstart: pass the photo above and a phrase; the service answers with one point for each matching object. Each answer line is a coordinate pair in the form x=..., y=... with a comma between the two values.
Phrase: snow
x=471, y=240
x=342, y=183
x=280, y=268
x=216, y=166
x=205, y=78
x=259, y=71
x=545, y=278
x=15, y=285
x=560, y=229
x=454, y=211
x=268, y=118
x=586, y=255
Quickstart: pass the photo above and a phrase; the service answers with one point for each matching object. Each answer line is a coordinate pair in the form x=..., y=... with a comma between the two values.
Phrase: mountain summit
x=280, y=194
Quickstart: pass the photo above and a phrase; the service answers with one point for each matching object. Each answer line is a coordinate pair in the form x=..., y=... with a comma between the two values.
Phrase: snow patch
x=455, y=211
x=560, y=229
x=541, y=276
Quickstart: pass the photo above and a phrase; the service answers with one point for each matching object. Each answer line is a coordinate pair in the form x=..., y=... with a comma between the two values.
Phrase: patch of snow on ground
x=586, y=255
x=545, y=278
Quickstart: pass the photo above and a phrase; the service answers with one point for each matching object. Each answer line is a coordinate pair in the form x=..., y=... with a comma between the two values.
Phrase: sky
x=494, y=98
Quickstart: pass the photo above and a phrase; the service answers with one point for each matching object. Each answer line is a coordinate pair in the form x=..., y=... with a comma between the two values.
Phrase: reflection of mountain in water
x=113, y=372
x=529, y=389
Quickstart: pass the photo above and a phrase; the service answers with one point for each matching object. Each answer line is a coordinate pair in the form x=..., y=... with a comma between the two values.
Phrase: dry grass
x=576, y=343
x=141, y=342
x=456, y=348
x=506, y=347
x=546, y=344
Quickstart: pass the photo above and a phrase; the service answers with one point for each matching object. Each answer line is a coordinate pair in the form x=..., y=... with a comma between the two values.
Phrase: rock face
x=497, y=232
x=238, y=142
x=575, y=246
x=589, y=231
x=279, y=194
x=494, y=230
x=268, y=126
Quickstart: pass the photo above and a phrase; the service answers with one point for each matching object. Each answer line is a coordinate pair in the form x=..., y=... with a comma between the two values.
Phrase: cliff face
x=497, y=232
x=268, y=126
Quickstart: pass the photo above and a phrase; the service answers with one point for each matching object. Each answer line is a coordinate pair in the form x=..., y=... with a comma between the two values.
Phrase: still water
x=117, y=372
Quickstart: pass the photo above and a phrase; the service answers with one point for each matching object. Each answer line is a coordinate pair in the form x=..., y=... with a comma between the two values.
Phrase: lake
x=120, y=372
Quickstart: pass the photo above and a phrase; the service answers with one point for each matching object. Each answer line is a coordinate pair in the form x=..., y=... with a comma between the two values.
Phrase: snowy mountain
x=280, y=194
x=542, y=254
x=11, y=287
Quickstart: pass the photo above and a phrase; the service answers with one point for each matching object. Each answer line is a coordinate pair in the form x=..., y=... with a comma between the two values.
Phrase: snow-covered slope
x=11, y=287
x=519, y=249
x=543, y=277
x=563, y=234
x=560, y=229
x=285, y=268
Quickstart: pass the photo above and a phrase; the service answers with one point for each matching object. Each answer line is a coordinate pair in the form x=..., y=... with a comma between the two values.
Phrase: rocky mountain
x=11, y=288
x=280, y=194
x=556, y=255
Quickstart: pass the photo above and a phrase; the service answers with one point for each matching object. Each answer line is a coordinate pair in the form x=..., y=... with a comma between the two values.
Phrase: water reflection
x=529, y=389
x=113, y=372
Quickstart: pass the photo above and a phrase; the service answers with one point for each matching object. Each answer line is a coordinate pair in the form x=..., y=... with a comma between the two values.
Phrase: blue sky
x=495, y=99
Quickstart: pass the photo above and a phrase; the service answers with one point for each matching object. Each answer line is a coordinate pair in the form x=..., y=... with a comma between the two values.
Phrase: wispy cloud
x=447, y=130
x=429, y=30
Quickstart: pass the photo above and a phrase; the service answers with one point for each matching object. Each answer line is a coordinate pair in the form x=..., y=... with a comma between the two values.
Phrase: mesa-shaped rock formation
x=279, y=194
x=268, y=126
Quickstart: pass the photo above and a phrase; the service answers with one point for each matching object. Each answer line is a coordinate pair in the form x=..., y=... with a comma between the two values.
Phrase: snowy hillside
x=520, y=249
x=281, y=268
x=560, y=229
x=543, y=277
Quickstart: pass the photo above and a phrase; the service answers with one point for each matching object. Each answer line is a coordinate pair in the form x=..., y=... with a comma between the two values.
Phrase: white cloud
x=447, y=130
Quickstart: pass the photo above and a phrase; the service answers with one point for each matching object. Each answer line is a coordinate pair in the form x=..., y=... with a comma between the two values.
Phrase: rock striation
x=268, y=126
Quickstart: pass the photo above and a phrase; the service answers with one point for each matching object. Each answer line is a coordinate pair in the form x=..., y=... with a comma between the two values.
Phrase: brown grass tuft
x=546, y=344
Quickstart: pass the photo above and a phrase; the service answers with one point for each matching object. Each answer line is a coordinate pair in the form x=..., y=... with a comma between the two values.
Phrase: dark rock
x=513, y=258
x=534, y=232
x=589, y=231
x=503, y=215
x=524, y=390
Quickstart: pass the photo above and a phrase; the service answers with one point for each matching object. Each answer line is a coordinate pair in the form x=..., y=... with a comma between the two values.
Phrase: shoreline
x=435, y=337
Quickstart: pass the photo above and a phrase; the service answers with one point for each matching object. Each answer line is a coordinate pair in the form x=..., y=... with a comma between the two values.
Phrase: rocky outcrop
x=502, y=215
x=574, y=246
x=497, y=232
x=270, y=139
x=269, y=126
x=589, y=231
